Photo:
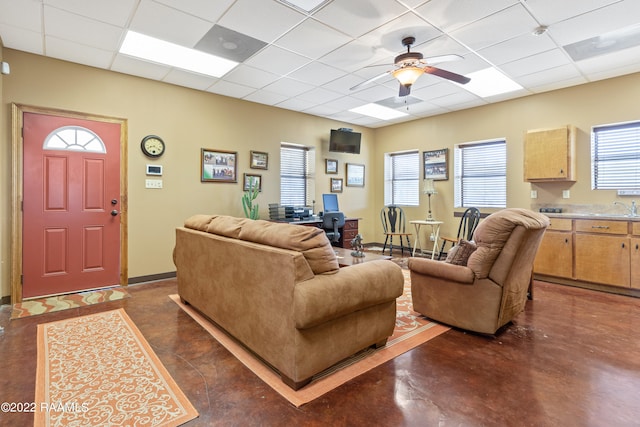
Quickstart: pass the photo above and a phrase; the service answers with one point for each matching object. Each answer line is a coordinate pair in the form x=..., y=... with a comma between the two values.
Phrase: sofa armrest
x=442, y=270
x=328, y=297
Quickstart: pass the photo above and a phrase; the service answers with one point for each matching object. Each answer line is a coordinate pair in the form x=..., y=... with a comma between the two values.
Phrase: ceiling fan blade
x=404, y=90
x=447, y=75
x=371, y=80
x=442, y=58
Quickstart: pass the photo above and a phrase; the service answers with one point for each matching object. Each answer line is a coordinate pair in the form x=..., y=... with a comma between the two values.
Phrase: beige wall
x=187, y=120
x=607, y=101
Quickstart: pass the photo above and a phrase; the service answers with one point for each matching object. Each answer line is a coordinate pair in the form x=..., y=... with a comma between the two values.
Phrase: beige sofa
x=278, y=289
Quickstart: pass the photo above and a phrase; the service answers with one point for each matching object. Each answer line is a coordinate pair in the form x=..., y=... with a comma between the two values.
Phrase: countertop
x=594, y=216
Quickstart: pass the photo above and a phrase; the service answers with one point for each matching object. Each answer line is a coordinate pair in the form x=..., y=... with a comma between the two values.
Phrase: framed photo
x=259, y=160
x=250, y=179
x=355, y=175
x=435, y=164
x=336, y=185
x=330, y=166
x=218, y=165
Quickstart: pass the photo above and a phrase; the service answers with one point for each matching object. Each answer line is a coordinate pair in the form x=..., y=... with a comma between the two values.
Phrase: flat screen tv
x=330, y=202
x=343, y=141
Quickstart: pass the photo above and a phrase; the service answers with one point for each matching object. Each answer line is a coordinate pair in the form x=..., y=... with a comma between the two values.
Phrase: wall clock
x=152, y=146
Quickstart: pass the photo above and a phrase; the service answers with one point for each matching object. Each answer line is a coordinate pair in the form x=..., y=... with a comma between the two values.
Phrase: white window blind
x=480, y=170
x=615, y=157
x=296, y=175
x=402, y=178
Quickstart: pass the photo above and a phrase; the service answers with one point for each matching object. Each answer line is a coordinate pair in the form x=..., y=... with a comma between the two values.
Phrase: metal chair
x=393, y=224
x=468, y=223
x=332, y=222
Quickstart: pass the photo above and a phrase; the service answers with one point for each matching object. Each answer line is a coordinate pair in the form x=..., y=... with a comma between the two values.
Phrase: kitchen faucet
x=633, y=209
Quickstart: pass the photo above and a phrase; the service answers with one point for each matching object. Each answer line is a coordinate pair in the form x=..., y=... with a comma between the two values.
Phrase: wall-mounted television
x=344, y=141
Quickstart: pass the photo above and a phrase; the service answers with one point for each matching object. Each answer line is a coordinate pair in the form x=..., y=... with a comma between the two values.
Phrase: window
x=402, y=178
x=480, y=170
x=297, y=183
x=615, y=157
x=74, y=138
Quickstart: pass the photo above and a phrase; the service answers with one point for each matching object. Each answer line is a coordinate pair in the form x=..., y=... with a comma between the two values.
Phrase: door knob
x=114, y=201
x=114, y=212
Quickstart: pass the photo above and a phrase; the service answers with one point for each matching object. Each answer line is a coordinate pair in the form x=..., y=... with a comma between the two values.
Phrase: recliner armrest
x=442, y=270
x=328, y=297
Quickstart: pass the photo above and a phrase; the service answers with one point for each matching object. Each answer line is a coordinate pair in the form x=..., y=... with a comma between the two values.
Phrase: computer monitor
x=330, y=203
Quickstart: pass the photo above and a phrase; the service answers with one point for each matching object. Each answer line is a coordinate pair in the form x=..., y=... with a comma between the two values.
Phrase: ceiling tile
x=518, y=47
x=288, y=87
x=357, y=17
x=319, y=96
x=128, y=65
x=67, y=26
x=265, y=97
x=204, y=9
x=233, y=90
x=81, y=54
x=277, y=60
x=295, y=104
x=535, y=63
x=250, y=76
x=187, y=79
x=496, y=28
x=110, y=12
x=23, y=14
x=184, y=29
x=312, y=39
x=20, y=39
x=450, y=15
x=316, y=74
x=264, y=20
x=549, y=12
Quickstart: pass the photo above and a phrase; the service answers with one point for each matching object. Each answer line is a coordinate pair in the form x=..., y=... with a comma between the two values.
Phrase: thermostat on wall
x=154, y=169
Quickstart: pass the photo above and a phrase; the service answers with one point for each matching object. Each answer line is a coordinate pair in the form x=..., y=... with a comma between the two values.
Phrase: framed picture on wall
x=218, y=165
x=330, y=166
x=259, y=160
x=355, y=175
x=251, y=180
x=336, y=185
x=435, y=164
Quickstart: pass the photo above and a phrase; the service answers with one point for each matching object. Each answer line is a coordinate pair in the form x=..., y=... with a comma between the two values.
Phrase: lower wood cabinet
x=349, y=231
x=602, y=259
x=603, y=252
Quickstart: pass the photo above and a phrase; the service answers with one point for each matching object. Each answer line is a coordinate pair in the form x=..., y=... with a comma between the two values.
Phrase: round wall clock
x=152, y=146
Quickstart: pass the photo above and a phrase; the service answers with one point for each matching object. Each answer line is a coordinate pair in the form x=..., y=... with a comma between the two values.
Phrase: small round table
x=435, y=230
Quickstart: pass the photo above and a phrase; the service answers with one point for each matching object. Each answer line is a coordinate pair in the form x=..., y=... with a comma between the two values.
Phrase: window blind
x=402, y=178
x=296, y=175
x=615, y=157
x=480, y=174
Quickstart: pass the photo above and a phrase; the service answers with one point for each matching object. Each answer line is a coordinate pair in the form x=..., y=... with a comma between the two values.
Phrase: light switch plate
x=153, y=183
x=566, y=194
x=534, y=194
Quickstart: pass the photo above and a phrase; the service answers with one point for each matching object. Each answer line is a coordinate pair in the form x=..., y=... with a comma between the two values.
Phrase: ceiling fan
x=411, y=65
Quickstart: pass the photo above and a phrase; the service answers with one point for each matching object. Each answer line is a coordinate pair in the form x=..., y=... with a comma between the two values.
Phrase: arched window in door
x=74, y=138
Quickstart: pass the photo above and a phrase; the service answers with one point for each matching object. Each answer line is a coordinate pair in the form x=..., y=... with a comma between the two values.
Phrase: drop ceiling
x=308, y=61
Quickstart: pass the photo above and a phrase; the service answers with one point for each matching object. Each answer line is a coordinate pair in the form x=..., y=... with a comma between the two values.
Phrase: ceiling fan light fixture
x=408, y=75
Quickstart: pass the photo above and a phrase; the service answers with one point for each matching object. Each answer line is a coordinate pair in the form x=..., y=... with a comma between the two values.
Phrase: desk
x=435, y=229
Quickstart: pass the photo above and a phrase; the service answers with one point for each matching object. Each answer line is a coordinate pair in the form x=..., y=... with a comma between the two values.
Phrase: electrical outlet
x=566, y=194
x=534, y=194
x=432, y=237
x=153, y=183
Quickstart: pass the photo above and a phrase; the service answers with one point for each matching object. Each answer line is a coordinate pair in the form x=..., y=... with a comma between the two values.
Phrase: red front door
x=71, y=204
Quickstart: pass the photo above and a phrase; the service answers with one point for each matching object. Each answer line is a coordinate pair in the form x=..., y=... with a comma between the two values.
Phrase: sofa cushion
x=312, y=242
x=228, y=226
x=460, y=253
x=198, y=222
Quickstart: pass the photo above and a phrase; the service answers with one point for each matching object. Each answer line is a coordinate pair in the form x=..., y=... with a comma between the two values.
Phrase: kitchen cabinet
x=555, y=254
x=591, y=252
x=549, y=154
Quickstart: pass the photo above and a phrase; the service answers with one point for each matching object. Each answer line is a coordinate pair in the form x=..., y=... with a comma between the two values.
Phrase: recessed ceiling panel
x=229, y=44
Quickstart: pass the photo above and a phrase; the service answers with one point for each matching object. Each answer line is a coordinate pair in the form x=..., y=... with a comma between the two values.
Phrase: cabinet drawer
x=595, y=226
x=349, y=235
x=560, y=224
x=351, y=224
x=635, y=228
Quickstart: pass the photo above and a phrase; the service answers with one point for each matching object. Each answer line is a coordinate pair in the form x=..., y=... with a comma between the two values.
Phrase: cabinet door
x=635, y=262
x=603, y=259
x=548, y=155
x=555, y=255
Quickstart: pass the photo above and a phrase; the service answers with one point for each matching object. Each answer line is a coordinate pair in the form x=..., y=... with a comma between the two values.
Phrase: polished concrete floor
x=571, y=359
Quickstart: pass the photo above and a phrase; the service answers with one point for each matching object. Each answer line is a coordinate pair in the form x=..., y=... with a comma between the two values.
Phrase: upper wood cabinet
x=549, y=154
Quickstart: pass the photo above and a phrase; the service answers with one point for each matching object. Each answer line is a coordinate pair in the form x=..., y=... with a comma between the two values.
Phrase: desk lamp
x=429, y=190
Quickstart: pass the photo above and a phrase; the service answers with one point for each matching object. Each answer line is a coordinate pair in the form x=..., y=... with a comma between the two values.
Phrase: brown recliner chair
x=491, y=289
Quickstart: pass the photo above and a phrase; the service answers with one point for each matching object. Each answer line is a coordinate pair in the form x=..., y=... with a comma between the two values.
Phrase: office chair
x=332, y=222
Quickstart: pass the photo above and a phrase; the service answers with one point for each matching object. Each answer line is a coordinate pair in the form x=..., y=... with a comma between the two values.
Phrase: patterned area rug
x=98, y=370
x=412, y=329
x=64, y=302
